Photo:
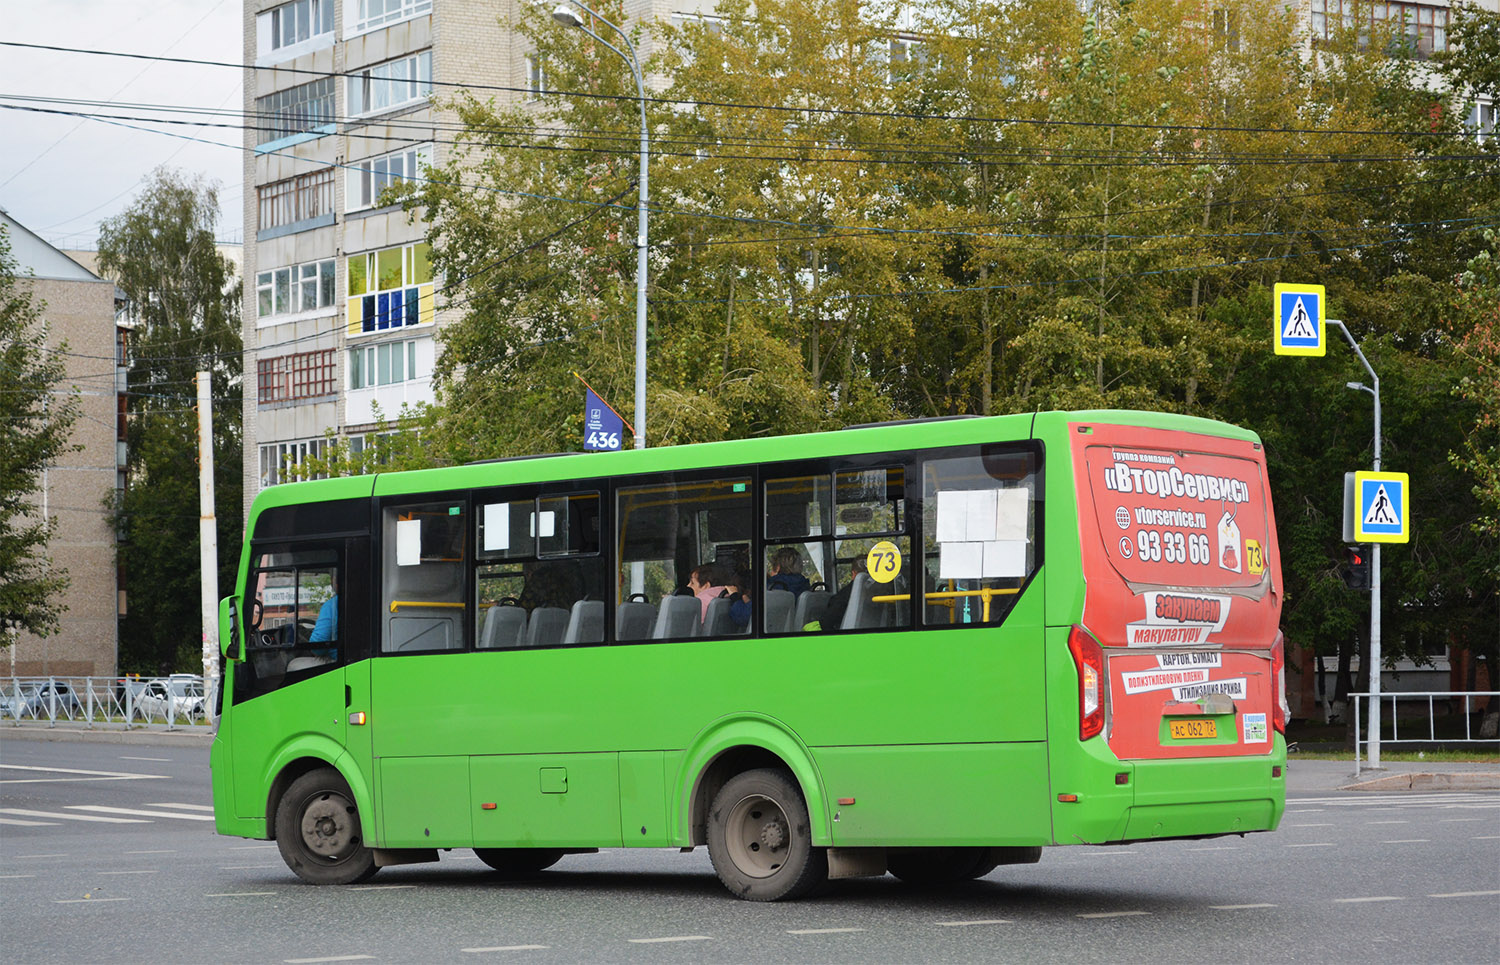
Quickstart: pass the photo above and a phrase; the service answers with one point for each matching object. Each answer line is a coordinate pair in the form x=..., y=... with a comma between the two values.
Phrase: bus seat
x=585, y=623
x=862, y=613
x=634, y=621
x=780, y=605
x=677, y=618
x=546, y=626
x=305, y=663
x=716, y=622
x=811, y=605
x=503, y=628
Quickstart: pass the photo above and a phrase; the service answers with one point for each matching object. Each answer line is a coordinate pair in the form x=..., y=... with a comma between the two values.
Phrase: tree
x=36, y=419
x=184, y=312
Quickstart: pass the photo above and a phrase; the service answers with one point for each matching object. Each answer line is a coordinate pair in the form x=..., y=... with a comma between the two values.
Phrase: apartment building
x=341, y=306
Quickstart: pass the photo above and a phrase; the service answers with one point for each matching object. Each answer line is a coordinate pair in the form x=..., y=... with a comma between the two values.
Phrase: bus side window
x=980, y=545
x=422, y=575
x=540, y=576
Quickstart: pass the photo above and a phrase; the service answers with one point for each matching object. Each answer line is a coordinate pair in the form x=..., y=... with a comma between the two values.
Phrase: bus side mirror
x=229, y=628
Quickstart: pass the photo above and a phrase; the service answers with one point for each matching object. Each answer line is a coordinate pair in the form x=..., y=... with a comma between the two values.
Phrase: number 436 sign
x=602, y=425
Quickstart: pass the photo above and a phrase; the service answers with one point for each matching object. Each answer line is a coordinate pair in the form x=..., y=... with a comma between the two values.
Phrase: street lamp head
x=1360, y=386
x=565, y=15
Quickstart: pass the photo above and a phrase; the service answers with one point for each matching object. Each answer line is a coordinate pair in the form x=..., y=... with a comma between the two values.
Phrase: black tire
x=939, y=866
x=1006, y=855
x=318, y=831
x=760, y=838
x=519, y=861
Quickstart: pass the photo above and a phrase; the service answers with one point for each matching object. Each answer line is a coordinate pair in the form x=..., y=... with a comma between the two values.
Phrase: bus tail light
x=1281, y=711
x=1089, y=657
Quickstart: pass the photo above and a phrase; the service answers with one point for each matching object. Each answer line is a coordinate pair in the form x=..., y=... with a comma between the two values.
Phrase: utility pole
x=208, y=539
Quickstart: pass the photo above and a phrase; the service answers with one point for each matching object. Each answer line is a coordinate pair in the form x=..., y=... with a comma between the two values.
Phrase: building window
x=385, y=364
x=293, y=23
x=1481, y=119
x=1424, y=27
x=378, y=13
x=370, y=177
x=390, y=289
x=296, y=110
x=393, y=84
x=282, y=462
x=536, y=75
x=298, y=288
x=296, y=199
x=304, y=375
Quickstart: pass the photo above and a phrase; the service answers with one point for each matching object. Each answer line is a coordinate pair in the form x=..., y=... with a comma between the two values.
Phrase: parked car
x=42, y=700
x=178, y=696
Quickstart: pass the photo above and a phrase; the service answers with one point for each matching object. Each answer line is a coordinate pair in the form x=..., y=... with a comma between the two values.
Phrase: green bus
x=922, y=648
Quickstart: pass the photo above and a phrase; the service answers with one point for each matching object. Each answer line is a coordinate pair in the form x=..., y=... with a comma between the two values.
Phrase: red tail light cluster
x=1089, y=657
x=1281, y=710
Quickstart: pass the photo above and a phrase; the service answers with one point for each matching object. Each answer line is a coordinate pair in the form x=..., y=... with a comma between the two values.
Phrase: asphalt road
x=105, y=856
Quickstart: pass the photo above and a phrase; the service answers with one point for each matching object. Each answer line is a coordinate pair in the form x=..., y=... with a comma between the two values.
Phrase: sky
x=61, y=176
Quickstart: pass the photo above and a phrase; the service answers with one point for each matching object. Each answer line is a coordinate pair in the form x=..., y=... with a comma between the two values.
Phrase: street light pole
x=1374, y=390
x=568, y=18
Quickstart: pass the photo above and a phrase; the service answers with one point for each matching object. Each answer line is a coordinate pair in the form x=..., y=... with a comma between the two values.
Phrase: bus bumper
x=1173, y=798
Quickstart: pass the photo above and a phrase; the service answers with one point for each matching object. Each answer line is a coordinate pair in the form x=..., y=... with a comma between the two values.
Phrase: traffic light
x=1356, y=571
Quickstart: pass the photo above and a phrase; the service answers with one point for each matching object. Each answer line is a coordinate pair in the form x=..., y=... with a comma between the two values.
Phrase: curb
x=199, y=737
x=1463, y=781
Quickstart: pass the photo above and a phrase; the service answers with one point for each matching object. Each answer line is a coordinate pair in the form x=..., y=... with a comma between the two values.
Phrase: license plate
x=1190, y=729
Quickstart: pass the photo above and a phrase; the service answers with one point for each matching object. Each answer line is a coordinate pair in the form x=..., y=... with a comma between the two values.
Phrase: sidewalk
x=1312, y=776
x=112, y=734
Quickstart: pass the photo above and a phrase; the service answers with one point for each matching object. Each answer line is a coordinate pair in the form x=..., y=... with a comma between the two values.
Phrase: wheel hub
x=773, y=835
x=327, y=826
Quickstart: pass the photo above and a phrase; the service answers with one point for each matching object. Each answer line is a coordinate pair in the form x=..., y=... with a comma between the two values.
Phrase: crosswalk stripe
x=22, y=812
x=28, y=824
x=104, y=809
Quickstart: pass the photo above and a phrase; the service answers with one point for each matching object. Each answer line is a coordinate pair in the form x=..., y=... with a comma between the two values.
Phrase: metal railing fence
x=100, y=702
x=1460, y=705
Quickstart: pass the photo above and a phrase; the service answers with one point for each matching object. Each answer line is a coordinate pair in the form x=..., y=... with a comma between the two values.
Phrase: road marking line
x=1356, y=901
x=331, y=958
x=71, y=817
x=141, y=872
x=251, y=847
x=1457, y=820
x=1221, y=848
x=241, y=894
x=1240, y=907
x=1408, y=841
x=1487, y=837
x=981, y=921
x=503, y=948
x=1114, y=914
x=1303, y=810
x=28, y=824
x=168, y=851
x=84, y=901
x=88, y=775
x=1328, y=825
x=188, y=807
x=1387, y=822
x=673, y=938
x=1111, y=851
x=105, y=809
x=8, y=877
x=41, y=856
x=821, y=931
x=1321, y=844
x=163, y=760
x=246, y=867
x=1466, y=894
x=378, y=887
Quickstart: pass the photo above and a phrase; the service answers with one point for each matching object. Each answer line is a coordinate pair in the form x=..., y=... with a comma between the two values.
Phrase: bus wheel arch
x=734, y=746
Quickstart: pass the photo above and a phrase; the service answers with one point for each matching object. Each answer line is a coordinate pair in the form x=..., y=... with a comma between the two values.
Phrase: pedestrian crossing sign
x=1299, y=320
x=1382, y=503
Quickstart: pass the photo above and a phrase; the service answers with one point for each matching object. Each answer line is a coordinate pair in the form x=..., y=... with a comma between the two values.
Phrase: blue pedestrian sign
x=1299, y=320
x=1382, y=505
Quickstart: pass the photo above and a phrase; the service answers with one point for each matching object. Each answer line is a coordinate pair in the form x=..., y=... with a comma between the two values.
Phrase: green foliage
x=37, y=416
x=1033, y=206
x=184, y=310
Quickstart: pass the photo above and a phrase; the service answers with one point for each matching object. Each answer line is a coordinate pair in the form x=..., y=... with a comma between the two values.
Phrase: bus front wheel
x=519, y=861
x=318, y=831
x=760, y=838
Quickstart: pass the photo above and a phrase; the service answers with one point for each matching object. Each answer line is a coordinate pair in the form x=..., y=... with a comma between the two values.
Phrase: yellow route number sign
x=884, y=561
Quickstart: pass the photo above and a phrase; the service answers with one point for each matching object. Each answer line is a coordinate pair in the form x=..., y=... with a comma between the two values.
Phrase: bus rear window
x=1175, y=517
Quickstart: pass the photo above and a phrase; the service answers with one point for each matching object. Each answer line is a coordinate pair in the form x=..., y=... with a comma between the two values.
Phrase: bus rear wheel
x=760, y=838
x=519, y=861
x=318, y=831
x=940, y=866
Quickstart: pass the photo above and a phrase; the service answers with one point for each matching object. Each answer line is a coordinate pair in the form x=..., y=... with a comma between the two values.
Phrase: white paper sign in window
x=981, y=533
x=497, y=526
x=408, y=542
x=548, y=525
